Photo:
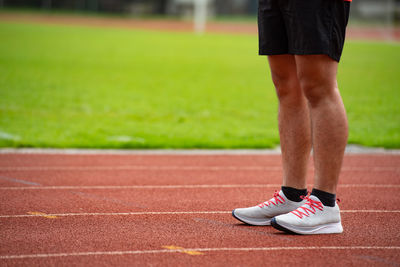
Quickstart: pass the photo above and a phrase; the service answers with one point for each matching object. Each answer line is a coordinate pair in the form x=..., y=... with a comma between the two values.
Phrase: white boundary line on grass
x=193, y=186
x=158, y=213
x=133, y=252
x=350, y=149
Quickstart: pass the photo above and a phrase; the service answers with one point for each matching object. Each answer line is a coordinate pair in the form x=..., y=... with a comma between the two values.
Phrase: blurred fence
x=385, y=12
x=376, y=11
x=176, y=7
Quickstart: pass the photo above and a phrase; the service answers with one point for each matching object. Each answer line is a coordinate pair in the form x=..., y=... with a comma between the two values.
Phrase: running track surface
x=159, y=210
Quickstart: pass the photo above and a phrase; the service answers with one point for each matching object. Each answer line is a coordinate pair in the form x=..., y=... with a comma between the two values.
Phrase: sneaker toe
x=251, y=216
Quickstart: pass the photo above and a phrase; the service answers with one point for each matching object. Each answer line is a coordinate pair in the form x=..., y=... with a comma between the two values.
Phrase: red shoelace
x=278, y=199
x=313, y=205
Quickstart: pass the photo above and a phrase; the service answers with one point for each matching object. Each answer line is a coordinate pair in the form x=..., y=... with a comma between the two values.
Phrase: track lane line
x=158, y=251
x=135, y=167
x=169, y=167
x=197, y=186
x=138, y=187
x=161, y=213
x=120, y=213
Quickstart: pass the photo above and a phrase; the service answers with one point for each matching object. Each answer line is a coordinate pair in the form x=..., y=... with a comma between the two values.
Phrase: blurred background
x=368, y=11
x=173, y=74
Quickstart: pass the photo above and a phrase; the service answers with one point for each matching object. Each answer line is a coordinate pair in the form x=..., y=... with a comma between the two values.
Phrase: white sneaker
x=311, y=218
x=264, y=212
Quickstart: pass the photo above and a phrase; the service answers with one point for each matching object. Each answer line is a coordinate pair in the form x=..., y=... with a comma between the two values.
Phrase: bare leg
x=294, y=121
x=317, y=76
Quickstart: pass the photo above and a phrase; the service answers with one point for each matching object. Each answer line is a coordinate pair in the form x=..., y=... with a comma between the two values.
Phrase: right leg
x=294, y=121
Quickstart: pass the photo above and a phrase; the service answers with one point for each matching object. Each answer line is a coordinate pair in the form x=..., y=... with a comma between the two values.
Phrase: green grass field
x=84, y=87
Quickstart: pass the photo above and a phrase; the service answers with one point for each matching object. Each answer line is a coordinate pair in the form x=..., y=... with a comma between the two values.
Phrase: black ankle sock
x=294, y=194
x=326, y=198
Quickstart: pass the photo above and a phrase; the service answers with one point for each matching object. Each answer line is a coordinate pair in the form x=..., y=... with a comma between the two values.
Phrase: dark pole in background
x=93, y=5
x=46, y=4
x=80, y=4
x=253, y=7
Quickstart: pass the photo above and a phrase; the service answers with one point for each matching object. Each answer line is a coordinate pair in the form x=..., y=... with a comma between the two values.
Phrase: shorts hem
x=299, y=53
x=273, y=53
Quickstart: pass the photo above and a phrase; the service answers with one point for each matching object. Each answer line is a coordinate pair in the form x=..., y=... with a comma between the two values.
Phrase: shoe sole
x=330, y=228
x=250, y=222
x=280, y=228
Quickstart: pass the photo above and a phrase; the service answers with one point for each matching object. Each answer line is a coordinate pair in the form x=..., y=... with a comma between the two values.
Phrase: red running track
x=159, y=210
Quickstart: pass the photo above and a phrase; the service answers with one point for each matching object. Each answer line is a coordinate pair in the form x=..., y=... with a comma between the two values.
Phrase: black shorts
x=302, y=27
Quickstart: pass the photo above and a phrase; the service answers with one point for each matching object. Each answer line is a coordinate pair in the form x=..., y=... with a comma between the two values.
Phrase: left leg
x=317, y=76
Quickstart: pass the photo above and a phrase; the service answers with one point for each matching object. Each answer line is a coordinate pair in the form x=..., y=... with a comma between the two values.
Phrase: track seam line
x=162, y=213
x=132, y=252
x=197, y=186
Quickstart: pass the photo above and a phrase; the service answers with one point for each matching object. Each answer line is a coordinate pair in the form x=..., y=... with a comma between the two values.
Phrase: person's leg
x=294, y=128
x=320, y=214
x=294, y=121
x=317, y=77
x=316, y=31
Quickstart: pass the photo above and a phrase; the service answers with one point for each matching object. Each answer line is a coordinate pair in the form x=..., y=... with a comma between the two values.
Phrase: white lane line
x=173, y=168
x=133, y=252
x=163, y=213
x=140, y=186
x=120, y=213
x=370, y=211
x=137, y=167
x=193, y=186
x=368, y=185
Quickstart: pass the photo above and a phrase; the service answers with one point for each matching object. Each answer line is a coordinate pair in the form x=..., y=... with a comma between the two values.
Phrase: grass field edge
x=350, y=149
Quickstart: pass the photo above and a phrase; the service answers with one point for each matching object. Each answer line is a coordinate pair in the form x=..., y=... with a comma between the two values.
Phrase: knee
x=287, y=87
x=316, y=89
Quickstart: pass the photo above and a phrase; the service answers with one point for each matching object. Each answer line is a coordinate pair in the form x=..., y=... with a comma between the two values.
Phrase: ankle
x=294, y=194
x=328, y=199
